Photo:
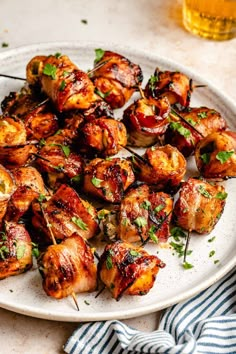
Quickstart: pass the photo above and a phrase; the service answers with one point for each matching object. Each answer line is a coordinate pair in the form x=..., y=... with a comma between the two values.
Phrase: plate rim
x=146, y=309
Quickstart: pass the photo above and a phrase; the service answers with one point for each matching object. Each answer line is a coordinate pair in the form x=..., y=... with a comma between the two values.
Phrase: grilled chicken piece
x=68, y=268
x=15, y=250
x=98, y=109
x=108, y=179
x=103, y=136
x=65, y=84
x=7, y=188
x=60, y=164
x=15, y=151
x=117, y=79
x=199, y=206
x=128, y=270
x=30, y=185
x=144, y=215
x=39, y=120
x=67, y=213
x=162, y=166
x=146, y=120
x=171, y=84
x=216, y=155
x=203, y=119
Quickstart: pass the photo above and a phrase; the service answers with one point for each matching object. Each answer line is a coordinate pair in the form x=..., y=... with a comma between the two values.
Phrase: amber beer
x=213, y=19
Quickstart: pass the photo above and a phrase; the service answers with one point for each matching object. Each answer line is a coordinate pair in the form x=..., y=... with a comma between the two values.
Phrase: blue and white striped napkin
x=205, y=324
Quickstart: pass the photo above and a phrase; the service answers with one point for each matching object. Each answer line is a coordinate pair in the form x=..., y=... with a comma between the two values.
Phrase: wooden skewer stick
x=186, y=245
x=100, y=291
x=137, y=155
x=12, y=77
x=98, y=66
x=174, y=112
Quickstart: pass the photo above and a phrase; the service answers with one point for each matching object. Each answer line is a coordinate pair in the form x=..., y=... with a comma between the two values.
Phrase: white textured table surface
x=152, y=25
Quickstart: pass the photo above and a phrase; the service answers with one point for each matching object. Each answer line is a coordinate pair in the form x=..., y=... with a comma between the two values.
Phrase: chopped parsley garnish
x=85, y=22
x=20, y=251
x=145, y=205
x=204, y=192
x=86, y=302
x=102, y=94
x=140, y=221
x=62, y=85
x=96, y=182
x=42, y=142
x=180, y=129
x=211, y=239
x=216, y=261
x=35, y=250
x=79, y=222
x=212, y=253
x=152, y=82
x=57, y=55
x=41, y=198
x=102, y=214
x=4, y=251
x=187, y=265
x=99, y=53
x=5, y=45
x=202, y=115
x=177, y=232
x=221, y=195
x=159, y=208
x=50, y=70
x=134, y=253
x=109, y=263
x=206, y=158
x=65, y=149
x=152, y=234
x=76, y=179
x=223, y=156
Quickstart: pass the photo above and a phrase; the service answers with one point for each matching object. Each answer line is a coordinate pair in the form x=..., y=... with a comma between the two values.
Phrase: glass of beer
x=212, y=19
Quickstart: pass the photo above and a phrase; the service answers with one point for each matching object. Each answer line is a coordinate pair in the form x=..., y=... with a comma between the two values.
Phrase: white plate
x=24, y=294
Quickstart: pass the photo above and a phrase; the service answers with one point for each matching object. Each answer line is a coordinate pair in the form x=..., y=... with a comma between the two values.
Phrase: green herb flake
x=86, y=302
x=152, y=234
x=42, y=142
x=212, y=253
x=5, y=45
x=206, y=158
x=50, y=70
x=103, y=95
x=109, y=263
x=178, y=247
x=99, y=53
x=41, y=198
x=216, y=261
x=62, y=85
x=145, y=205
x=35, y=250
x=79, y=222
x=221, y=195
x=152, y=82
x=76, y=179
x=134, y=253
x=20, y=251
x=191, y=121
x=187, y=265
x=180, y=129
x=202, y=115
x=84, y=21
x=66, y=73
x=204, y=192
x=140, y=221
x=96, y=182
x=57, y=55
x=211, y=239
x=176, y=231
x=101, y=214
x=223, y=156
x=159, y=208
x=66, y=150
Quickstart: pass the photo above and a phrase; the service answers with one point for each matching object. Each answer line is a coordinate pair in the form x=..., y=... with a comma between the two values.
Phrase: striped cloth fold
x=205, y=324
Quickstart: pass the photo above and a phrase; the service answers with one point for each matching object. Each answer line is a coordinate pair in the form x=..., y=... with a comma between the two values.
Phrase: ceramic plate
x=24, y=293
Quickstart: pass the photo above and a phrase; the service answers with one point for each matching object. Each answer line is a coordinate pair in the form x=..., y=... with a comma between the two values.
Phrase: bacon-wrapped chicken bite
x=171, y=84
x=103, y=136
x=15, y=250
x=128, y=270
x=117, y=79
x=216, y=155
x=65, y=84
x=108, y=179
x=58, y=162
x=144, y=215
x=29, y=185
x=199, y=206
x=67, y=213
x=98, y=109
x=162, y=166
x=15, y=151
x=146, y=120
x=7, y=188
x=38, y=117
x=68, y=268
x=204, y=120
